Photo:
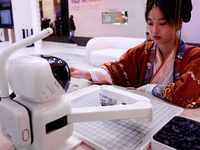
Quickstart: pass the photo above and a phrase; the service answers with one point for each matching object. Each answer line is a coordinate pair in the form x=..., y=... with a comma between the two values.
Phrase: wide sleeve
x=185, y=91
x=128, y=71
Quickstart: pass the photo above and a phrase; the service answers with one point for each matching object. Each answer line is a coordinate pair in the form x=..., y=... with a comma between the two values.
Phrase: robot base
x=49, y=124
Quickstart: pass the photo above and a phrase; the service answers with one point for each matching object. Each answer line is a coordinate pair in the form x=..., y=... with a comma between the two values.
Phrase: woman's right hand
x=79, y=74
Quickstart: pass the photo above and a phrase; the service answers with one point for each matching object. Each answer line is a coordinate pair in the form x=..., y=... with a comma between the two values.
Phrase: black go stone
x=180, y=133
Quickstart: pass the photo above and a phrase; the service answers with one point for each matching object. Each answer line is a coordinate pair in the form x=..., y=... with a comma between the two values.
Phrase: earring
x=145, y=49
x=174, y=45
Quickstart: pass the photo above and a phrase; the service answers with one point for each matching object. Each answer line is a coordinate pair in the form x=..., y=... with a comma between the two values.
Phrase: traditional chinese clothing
x=178, y=81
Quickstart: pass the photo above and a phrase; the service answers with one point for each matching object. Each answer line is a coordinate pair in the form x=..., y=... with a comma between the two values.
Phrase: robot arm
x=138, y=107
x=13, y=115
x=7, y=53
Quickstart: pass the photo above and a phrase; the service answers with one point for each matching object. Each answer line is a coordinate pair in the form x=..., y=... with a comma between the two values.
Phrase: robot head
x=39, y=78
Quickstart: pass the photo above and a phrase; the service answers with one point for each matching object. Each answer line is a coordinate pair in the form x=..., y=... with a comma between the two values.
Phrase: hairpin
x=154, y=6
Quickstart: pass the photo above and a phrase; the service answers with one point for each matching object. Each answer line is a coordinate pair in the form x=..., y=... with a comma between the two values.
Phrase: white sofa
x=100, y=50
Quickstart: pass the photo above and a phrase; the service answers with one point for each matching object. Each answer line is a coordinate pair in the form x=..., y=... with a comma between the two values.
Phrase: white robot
x=40, y=117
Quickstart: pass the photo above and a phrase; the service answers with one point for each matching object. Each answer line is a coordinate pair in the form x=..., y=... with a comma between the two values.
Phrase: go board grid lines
x=123, y=134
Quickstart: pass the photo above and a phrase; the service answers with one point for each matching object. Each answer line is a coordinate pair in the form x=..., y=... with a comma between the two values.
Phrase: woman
x=165, y=67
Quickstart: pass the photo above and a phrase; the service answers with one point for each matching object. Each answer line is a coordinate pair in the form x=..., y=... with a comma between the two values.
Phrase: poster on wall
x=80, y=5
x=115, y=18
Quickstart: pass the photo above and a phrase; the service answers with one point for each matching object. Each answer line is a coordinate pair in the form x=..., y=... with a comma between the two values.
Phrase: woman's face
x=159, y=28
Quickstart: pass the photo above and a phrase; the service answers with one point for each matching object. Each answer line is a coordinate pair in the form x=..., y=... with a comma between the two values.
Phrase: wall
x=88, y=19
x=21, y=17
x=49, y=10
x=26, y=15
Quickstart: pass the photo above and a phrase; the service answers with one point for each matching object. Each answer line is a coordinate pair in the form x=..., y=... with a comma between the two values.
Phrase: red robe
x=129, y=71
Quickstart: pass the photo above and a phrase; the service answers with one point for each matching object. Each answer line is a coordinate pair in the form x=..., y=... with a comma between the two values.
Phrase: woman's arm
x=185, y=91
x=80, y=74
x=96, y=75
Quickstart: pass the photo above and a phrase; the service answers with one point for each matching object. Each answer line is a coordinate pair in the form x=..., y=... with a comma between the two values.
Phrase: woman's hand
x=79, y=74
x=131, y=88
x=145, y=88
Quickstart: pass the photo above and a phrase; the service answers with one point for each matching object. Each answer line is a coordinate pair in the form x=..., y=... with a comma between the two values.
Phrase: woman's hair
x=171, y=10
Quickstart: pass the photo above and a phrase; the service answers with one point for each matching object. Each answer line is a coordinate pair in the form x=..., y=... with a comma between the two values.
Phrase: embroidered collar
x=179, y=55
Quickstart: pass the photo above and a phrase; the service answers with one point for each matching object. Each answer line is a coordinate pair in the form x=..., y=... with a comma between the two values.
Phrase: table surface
x=192, y=113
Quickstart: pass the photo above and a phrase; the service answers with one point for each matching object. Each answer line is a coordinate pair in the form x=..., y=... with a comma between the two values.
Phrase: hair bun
x=186, y=8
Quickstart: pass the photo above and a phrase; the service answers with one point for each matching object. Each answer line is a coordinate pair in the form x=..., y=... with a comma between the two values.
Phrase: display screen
x=5, y=16
x=116, y=18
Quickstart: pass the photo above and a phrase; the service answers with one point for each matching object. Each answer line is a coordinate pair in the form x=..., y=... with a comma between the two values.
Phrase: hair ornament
x=154, y=5
x=147, y=33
